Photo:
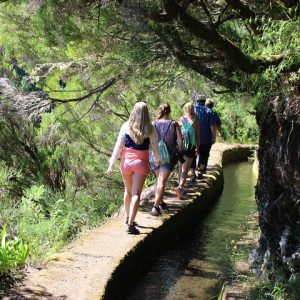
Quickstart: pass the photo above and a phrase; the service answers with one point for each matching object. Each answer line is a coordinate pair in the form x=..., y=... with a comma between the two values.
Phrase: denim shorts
x=168, y=166
x=190, y=152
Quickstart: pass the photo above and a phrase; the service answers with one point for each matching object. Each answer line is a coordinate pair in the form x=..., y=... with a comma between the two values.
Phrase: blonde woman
x=190, y=131
x=132, y=145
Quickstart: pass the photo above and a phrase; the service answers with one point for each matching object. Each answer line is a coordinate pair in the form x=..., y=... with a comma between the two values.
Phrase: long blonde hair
x=139, y=123
x=188, y=108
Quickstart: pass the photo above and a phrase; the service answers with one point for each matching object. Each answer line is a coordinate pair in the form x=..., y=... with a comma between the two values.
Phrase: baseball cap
x=200, y=98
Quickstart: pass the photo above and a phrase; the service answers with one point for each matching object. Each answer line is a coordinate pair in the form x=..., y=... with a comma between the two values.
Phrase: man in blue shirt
x=210, y=104
x=207, y=131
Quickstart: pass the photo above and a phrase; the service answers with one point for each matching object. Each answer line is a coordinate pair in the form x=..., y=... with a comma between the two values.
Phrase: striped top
x=206, y=121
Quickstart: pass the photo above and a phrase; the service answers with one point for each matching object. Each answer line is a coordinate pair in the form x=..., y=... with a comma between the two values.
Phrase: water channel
x=190, y=268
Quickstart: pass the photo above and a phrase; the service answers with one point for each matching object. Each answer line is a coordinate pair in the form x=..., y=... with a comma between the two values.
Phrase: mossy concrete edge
x=185, y=216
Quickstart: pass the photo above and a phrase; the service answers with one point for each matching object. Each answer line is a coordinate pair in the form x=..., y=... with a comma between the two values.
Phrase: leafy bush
x=238, y=122
x=10, y=179
x=38, y=161
x=49, y=220
x=13, y=253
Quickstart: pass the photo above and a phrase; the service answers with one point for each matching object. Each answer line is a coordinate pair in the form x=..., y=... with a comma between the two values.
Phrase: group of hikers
x=144, y=146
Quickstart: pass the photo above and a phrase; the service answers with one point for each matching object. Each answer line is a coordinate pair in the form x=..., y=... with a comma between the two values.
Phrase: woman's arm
x=180, y=122
x=179, y=136
x=154, y=145
x=196, y=126
x=117, y=149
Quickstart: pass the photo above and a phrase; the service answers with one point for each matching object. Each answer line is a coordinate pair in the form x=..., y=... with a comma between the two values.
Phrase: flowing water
x=190, y=268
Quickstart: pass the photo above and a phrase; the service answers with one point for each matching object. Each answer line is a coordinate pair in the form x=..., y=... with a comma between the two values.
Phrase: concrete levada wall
x=184, y=216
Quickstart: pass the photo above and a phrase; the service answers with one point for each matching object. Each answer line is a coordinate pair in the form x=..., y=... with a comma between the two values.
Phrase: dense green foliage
x=50, y=191
x=280, y=39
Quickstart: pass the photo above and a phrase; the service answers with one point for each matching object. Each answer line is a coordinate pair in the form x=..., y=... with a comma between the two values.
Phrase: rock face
x=278, y=190
x=7, y=89
x=32, y=104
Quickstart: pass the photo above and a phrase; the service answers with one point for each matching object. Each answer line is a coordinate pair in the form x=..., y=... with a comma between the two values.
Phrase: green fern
x=13, y=253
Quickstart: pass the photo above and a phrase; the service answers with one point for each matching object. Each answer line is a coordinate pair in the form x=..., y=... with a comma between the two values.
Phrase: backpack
x=164, y=155
x=188, y=134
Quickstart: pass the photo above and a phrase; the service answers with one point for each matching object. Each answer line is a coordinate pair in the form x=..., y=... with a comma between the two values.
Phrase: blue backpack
x=164, y=155
x=188, y=134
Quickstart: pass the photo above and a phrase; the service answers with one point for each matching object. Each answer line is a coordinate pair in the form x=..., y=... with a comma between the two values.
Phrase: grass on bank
x=47, y=221
x=238, y=274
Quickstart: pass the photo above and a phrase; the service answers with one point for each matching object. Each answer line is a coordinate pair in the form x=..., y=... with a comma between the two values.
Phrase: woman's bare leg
x=162, y=178
x=185, y=167
x=127, y=179
x=136, y=190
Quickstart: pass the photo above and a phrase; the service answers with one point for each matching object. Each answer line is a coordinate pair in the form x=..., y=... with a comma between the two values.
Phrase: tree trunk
x=278, y=189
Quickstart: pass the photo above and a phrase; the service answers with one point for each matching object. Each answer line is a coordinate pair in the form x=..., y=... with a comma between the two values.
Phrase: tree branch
x=290, y=3
x=176, y=46
x=224, y=46
x=218, y=22
x=200, y=68
x=122, y=116
x=98, y=90
x=206, y=10
x=245, y=12
x=186, y=3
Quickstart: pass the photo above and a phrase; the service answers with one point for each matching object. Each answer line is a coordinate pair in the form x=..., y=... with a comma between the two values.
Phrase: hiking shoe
x=200, y=175
x=155, y=211
x=132, y=230
x=179, y=192
x=192, y=179
x=163, y=207
x=127, y=220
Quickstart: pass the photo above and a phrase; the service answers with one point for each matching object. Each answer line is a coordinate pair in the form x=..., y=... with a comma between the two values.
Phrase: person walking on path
x=210, y=104
x=190, y=134
x=207, y=134
x=132, y=145
x=169, y=132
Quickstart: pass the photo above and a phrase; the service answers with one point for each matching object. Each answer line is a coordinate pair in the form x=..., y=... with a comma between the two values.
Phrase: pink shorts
x=130, y=166
x=135, y=161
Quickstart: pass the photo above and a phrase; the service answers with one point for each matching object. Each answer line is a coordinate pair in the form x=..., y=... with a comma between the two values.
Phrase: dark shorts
x=190, y=152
